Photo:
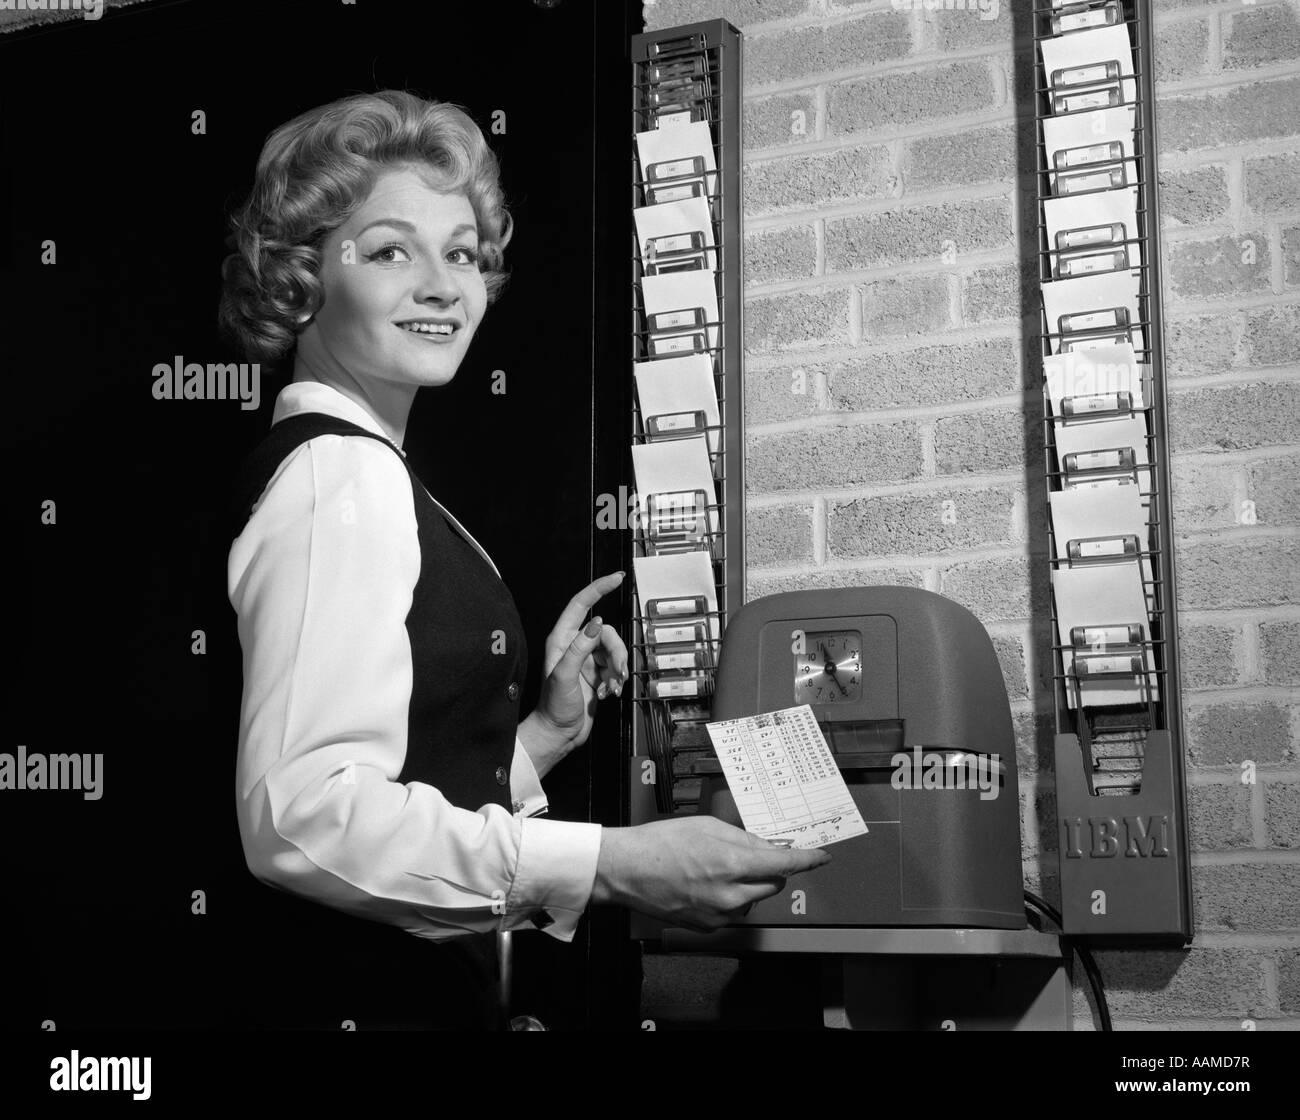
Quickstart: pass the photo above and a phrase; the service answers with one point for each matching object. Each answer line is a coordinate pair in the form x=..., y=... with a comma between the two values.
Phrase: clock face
x=829, y=671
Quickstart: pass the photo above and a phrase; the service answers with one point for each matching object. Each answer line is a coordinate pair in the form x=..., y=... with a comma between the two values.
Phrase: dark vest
x=469, y=659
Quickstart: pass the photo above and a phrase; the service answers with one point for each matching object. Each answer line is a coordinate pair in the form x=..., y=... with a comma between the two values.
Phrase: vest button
x=502, y=776
x=513, y=691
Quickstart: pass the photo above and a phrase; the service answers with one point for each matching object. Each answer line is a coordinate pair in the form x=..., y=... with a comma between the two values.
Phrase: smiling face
x=404, y=304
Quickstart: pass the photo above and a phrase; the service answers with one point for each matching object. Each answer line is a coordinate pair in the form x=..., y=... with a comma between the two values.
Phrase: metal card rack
x=1120, y=781
x=687, y=74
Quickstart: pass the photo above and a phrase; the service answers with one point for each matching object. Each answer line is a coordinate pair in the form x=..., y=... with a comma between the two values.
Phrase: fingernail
x=592, y=629
x=602, y=691
x=617, y=688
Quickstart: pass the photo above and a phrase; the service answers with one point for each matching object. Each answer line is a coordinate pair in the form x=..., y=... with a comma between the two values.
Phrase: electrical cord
x=1085, y=958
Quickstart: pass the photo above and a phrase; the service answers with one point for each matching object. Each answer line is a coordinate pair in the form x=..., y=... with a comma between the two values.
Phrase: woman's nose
x=437, y=282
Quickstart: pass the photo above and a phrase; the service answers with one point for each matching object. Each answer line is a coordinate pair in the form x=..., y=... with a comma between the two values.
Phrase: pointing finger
x=573, y=614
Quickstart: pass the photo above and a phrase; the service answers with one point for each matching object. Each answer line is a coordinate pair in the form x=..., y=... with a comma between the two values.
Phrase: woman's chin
x=431, y=379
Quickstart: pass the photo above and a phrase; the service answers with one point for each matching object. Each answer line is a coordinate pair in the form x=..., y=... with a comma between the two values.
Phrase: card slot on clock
x=682, y=152
x=1089, y=339
x=694, y=634
x=681, y=311
x=667, y=171
x=688, y=78
x=677, y=630
x=1087, y=250
x=1087, y=155
x=1080, y=182
x=675, y=235
x=1090, y=448
x=1096, y=600
x=663, y=658
x=683, y=45
x=1105, y=525
x=1090, y=381
x=678, y=522
x=1070, y=16
x=687, y=606
x=1094, y=85
x=1093, y=310
x=1089, y=233
x=1091, y=66
x=676, y=69
x=675, y=345
x=678, y=252
x=678, y=475
x=676, y=425
x=1102, y=549
x=679, y=95
x=1090, y=151
x=671, y=686
x=1098, y=405
x=674, y=192
x=1107, y=651
x=673, y=577
x=676, y=392
x=1102, y=459
x=1092, y=637
x=1100, y=481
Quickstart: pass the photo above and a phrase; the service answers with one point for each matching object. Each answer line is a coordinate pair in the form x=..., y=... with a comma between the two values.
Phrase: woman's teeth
x=428, y=328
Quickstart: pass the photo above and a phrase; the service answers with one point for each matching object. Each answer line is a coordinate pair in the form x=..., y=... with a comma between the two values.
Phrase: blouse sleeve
x=322, y=579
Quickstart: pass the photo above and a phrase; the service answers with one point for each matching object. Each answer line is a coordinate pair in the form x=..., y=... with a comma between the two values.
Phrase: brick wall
x=889, y=302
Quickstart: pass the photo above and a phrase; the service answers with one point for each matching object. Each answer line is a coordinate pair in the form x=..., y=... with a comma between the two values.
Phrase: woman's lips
x=431, y=336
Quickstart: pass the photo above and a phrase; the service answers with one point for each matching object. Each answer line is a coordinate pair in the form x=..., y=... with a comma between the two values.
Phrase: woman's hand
x=694, y=871
x=582, y=666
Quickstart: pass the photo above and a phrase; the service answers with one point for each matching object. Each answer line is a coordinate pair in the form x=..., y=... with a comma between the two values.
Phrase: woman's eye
x=465, y=255
x=385, y=254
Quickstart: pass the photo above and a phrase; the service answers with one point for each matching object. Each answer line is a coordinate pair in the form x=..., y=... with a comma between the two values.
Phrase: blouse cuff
x=554, y=876
x=526, y=793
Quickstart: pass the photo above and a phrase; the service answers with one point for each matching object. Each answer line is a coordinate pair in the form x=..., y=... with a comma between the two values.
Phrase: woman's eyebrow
x=396, y=223
x=402, y=224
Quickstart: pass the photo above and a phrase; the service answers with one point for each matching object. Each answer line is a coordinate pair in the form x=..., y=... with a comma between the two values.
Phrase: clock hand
x=830, y=669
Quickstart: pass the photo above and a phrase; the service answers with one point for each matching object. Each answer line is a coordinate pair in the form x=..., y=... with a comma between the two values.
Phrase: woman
x=384, y=773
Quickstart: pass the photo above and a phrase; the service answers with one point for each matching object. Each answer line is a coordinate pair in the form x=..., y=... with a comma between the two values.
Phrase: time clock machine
x=908, y=691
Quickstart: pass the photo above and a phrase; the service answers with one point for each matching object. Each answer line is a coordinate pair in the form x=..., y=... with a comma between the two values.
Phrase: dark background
x=95, y=123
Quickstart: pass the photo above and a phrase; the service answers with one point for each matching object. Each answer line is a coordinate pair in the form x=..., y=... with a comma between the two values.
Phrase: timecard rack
x=1120, y=783
x=686, y=538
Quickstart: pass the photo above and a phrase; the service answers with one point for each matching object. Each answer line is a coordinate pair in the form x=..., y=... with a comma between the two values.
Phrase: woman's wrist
x=544, y=741
x=608, y=887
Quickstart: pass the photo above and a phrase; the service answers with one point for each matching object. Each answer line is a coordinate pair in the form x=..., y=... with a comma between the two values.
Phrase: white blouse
x=322, y=600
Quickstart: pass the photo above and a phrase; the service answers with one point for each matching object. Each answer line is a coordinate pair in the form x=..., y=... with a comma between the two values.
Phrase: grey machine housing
x=945, y=857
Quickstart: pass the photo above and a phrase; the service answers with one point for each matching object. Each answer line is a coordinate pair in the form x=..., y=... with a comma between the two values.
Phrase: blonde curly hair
x=312, y=174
